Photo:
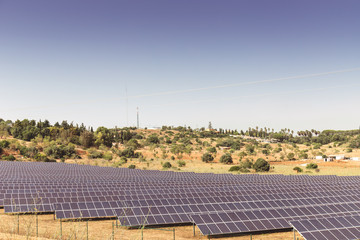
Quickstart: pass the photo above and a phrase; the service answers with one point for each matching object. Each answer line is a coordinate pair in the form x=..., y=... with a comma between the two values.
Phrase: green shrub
x=234, y=169
x=8, y=158
x=244, y=170
x=123, y=160
x=167, y=165
x=349, y=150
x=129, y=153
x=132, y=166
x=153, y=139
x=291, y=156
x=297, y=169
x=4, y=144
x=181, y=163
x=207, y=157
x=312, y=166
x=265, y=151
x=93, y=154
x=39, y=157
x=62, y=151
x=211, y=150
x=261, y=165
x=226, y=158
x=246, y=164
x=108, y=156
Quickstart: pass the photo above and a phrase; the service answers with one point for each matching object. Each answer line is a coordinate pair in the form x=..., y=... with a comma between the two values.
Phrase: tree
x=207, y=157
x=261, y=165
x=103, y=136
x=86, y=139
x=226, y=158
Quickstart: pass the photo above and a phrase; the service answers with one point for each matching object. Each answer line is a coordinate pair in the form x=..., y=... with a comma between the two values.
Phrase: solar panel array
x=217, y=203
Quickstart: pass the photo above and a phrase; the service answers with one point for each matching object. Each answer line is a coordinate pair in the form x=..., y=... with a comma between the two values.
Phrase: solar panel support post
x=194, y=229
x=37, y=226
x=294, y=234
x=174, y=233
x=112, y=234
x=142, y=233
x=18, y=223
x=250, y=236
x=87, y=230
x=61, y=229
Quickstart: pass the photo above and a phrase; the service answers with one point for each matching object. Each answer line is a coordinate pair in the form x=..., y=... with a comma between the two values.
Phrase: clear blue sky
x=74, y=60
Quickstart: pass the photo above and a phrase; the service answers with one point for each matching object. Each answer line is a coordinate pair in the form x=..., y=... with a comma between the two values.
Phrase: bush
x=108, y=156
x=234, y=169
x=132, y=166
x=250, y=149
x=94, y=154
x=129, y=153
x=167, y=165
x=297, y=169
x=349, y=150
x=133, y=143
x=261, y=165
x=291, y=156
x=312, y=166
x=211, y=150
x=123, y=160
x=4, y=144
x=226, y=158
x=244, y=170
x=265, y=151
x=246, y=164
x=207, y=157
x=181, y=163
x=8, y=158
x=39, y=157
x=153, y=139
x=61, y=151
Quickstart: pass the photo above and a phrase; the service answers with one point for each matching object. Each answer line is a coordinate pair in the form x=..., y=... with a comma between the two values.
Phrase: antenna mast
x=137, y=112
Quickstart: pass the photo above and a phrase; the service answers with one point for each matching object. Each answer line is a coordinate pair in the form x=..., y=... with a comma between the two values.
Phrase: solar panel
x=345, y=228
x=217, y=203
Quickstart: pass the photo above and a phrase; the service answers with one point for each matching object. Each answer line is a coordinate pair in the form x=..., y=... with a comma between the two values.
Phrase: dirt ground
x=48, y=228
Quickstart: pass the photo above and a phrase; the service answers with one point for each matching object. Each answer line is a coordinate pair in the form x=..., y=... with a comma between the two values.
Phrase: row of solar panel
x=329, y=228
x=16, y=205
x=287, y=214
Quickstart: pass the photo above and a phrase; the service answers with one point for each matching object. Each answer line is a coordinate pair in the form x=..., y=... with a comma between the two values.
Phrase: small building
x=355, y=158
x=337, y=157
x=319, y=157
x=328, y=159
